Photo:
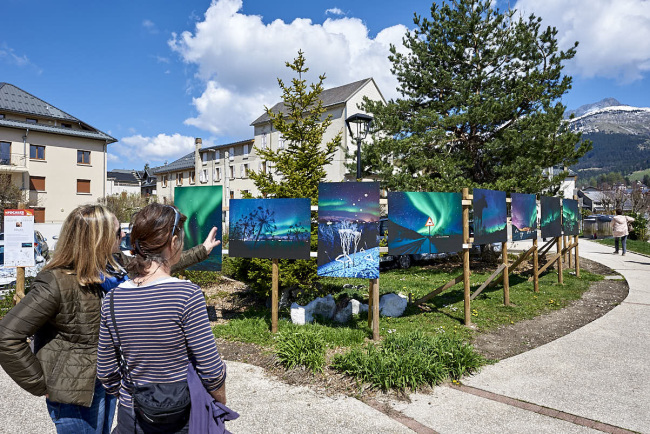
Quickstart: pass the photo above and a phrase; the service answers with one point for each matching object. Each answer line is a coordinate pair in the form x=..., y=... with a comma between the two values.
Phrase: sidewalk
x=598, y=373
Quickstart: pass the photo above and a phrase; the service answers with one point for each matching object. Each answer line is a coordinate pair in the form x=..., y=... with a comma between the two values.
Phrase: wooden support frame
x=274, y=295
x=546, y=247
x=522, y=257
x=551, y=261
x=440, y=289
x=373, y=308
x=577, y=261
x=535, y=267
x=466, y=272
x=489, y=279
x=560, y=272
x=506, y=274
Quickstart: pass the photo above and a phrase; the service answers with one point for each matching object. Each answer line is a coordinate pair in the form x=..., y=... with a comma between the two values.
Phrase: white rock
x=354, y=307
x=323, y=306
x=392, y=305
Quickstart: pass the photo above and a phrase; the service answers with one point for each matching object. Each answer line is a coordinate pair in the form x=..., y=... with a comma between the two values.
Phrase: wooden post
x=466, y=295
x=375, y=309
x=370, y=300
x=20, y=285
x=560, y=276
x=565, y=243
x=535, y=265
x=577, y=261
x=506, y=277
x=274, y=296
x=569, y=242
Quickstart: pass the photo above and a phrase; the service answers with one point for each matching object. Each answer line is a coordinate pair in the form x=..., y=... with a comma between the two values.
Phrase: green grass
x=632, y=245
x=638, y=175
x=301, y=347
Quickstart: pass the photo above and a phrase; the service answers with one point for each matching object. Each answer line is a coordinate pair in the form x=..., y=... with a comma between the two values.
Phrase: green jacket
x=64, y=318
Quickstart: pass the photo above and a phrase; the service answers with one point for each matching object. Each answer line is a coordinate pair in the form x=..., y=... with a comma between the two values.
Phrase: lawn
x=632, y=245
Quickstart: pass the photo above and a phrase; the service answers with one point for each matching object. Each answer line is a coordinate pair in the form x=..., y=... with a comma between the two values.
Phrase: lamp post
x=361, y=123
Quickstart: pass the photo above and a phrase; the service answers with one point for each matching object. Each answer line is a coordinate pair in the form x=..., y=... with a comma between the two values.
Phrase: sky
x=156, y=74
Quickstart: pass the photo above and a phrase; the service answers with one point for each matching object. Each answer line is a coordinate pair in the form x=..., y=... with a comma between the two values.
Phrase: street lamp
x=361, y=124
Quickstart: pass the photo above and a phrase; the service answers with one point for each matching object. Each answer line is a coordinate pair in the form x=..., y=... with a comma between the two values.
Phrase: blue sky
x=156, y=74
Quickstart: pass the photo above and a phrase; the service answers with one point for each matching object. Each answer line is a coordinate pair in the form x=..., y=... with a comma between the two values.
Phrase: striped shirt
x=162, y=325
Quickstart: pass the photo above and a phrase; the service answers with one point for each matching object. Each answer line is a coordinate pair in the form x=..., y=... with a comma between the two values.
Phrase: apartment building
x=57, y=160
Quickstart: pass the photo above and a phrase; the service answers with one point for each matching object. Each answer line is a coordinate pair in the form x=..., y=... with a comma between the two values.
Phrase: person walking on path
x=620, y=230
x=155, y=324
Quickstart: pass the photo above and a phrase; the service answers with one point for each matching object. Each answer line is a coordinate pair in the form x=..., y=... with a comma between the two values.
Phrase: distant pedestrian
x=620, y=230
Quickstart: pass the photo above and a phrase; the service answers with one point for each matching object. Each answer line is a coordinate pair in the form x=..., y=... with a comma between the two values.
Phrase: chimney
x=197, y=157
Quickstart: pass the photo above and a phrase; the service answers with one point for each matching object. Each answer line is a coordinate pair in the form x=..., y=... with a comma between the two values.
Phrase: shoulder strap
x=121, y=359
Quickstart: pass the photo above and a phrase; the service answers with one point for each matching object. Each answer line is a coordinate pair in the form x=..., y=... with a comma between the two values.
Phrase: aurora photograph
x=270, y=228
x=570, y=217
x=348, y=216
x=202, y=206
x=424, y=223
x=551, y=216
x=523, y=209
x=490, y=216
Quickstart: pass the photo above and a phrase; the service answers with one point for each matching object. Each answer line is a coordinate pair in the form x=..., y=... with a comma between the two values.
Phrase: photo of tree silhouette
x=551, y=216
x=523, y=209
x=490, y=216
x=348, y=228
x=269, y=228
x=202, y=206
x=570, y=217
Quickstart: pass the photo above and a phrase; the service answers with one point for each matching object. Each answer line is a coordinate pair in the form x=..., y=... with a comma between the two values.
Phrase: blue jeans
x=623, y=242
x=77, y=419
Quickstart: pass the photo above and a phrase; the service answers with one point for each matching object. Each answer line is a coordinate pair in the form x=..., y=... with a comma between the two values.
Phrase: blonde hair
x=86, y=243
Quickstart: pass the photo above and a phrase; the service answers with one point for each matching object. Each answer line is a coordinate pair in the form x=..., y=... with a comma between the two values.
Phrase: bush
x=304, y=347
x=201, y=278
x=640, y=225
x=7, y=302
x=410, y=361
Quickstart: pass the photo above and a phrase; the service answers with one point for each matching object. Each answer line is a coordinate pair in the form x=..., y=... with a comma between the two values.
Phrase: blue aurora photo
x=570, y=217
x=524, y=216
x=270, y=228
x=348, y=228
x=490, y=216
x=551, y=216
x=202, y=206
x=424, y=223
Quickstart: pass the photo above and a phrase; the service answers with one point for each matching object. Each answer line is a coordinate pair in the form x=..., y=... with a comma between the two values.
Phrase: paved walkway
x=594, y=379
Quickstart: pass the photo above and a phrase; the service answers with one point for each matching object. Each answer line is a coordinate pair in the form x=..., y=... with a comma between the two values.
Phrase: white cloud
x=8, y=55
x=239, y=58
x=150, y=26
x=334, y=11
x=614, y=35
x=152, y=149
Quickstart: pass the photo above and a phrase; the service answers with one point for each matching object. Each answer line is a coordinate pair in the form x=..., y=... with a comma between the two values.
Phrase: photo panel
x=551, y=216
x=523, y=209
x=270, y=228
x=570, y=217
x=348, y=229
x=490, y=216
x=202, y=206
x=424, y=223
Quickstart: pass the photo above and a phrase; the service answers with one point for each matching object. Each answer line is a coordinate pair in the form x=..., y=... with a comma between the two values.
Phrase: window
x=244, y=170
x=179, y=178
x=83, y=157
x=163, y=180
x=204, y=176
x=37, y=183
x=231, y=154
x=204, y=157
x=192, y=177
x=83, y=186
x=39, y=215
x=37, y=152
x=232, y=172
x=264, y=141
x=2, y=116
x=217, y=174
x=281, y=141
x=232, y=194
x=5, y=153
x=245, y=151
x=64, y=125
x=31, y=121
x=217, y=155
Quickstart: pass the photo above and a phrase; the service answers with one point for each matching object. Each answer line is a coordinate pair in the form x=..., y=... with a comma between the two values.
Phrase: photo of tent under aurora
x=202, y=206
x=348, y=216
x=523, y=209
x=270, y=228
x=570, y=217
x=424, y=223
x=490, y=216
x=551, y=216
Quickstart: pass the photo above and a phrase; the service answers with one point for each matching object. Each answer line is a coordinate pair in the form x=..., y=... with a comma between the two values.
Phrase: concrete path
x=594, y=379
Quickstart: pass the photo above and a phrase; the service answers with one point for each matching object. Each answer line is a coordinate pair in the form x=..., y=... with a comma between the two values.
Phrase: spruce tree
x=479, y=106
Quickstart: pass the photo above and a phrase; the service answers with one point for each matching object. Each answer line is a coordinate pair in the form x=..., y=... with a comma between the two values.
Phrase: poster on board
x=424, y=223
x=490, y=216
x=270, y=228
x=348, y=229
x=570, y=217
x=202, y=206
x=19, y=238
x=551, y=216
x=523, y=209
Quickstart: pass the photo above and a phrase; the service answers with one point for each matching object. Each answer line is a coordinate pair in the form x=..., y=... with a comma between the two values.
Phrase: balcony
x=12, y=162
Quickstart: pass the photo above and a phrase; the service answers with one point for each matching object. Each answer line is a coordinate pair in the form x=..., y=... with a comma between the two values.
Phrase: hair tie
x=138, y=250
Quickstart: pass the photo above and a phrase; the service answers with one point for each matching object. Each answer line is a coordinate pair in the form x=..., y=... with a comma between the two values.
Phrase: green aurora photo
x=551, y=216
x=570, y=217
x=202, y=206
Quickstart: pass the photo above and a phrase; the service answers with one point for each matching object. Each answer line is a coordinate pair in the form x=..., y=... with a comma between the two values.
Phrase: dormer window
x=31, y=121
x=64, y=125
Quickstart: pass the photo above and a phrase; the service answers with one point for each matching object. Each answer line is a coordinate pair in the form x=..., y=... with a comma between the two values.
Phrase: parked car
x=125, y=244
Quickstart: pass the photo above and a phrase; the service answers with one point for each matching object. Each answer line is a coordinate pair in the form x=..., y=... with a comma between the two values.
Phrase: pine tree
x=479, y=104
x=300, y=166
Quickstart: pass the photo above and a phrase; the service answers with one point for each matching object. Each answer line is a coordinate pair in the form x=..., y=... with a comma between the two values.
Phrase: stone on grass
x=392, y=305
x=354, y=307
x=323, y=306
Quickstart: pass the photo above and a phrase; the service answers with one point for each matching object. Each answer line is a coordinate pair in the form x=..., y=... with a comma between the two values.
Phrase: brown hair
x=152, y=229
x=86, y=243
x=619, y=211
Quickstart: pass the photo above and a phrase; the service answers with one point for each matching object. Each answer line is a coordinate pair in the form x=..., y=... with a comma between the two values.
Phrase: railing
x=7, y=159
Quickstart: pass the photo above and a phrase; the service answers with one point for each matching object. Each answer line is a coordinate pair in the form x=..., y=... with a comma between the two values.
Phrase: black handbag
x=155, y=403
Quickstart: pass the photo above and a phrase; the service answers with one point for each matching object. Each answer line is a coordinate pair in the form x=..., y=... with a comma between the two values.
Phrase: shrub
x=6, y=302
x=410, y=361
x=640, y=225
x=304, y=347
